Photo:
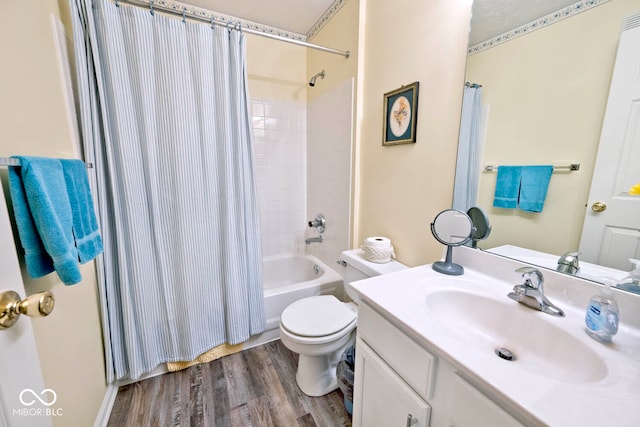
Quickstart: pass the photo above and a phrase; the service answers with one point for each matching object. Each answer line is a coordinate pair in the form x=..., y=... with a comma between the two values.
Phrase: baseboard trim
x=107, y=405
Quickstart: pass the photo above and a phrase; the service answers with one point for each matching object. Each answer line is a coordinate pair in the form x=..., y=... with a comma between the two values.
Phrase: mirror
x=544, y=97
x=451, y=227
x=481, y=226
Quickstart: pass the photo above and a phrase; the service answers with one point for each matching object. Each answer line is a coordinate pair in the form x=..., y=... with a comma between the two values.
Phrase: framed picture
x=400, y=115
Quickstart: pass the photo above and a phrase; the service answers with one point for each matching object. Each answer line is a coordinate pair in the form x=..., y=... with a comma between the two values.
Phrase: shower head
x=312, y=82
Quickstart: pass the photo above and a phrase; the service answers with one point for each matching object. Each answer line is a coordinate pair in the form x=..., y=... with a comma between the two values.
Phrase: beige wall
x=276, y=70
x=341, y=33
x=546, y=93
x=33, y=121
x=402, y=188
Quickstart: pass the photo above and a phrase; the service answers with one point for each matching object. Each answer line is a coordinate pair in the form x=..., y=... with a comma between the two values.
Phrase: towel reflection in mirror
x=522, y=187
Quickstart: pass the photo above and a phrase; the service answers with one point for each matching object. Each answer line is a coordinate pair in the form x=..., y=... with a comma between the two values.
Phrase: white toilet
x=320, y=328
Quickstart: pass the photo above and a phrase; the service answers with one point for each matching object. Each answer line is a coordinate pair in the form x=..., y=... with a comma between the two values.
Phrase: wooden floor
x=255, y=387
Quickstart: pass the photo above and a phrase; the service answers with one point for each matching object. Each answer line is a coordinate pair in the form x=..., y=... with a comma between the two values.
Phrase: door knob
x=599, y=207
x=36, y=305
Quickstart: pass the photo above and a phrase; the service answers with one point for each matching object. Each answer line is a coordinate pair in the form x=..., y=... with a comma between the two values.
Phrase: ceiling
x=490, y=17
x=297, y=16
x=494, y=17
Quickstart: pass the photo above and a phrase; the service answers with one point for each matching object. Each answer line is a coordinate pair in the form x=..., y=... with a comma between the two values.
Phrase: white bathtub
x=287, y=278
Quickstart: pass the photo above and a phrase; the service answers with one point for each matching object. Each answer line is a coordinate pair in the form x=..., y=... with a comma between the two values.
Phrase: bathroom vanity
x=428, y=344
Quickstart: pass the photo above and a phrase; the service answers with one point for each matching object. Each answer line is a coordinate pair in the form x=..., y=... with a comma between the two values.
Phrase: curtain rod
x=152, y=7
x=570, y=167
x=10, y=161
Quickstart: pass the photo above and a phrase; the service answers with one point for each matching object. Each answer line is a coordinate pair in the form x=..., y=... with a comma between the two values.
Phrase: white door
x=24, y=401
x=611, y=231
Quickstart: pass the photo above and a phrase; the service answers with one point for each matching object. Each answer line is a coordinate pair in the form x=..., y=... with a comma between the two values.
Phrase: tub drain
x=505, y=353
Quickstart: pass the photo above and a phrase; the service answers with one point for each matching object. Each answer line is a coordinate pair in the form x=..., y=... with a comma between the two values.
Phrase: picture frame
x=400, y=115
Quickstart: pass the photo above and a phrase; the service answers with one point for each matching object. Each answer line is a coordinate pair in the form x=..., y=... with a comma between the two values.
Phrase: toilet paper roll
x=377, y=242
x=378, y=249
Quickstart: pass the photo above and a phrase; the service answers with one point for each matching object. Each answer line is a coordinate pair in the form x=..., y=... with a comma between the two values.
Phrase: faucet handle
x=532, y=277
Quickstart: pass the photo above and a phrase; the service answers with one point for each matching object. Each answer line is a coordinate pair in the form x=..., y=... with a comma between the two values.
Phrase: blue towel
x=533, y=188
x=85, y=226
x=54, y=214
x=507, y=187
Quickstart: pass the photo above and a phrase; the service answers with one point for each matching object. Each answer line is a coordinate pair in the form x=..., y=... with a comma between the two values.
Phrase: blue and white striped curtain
x=465, y=191
x=165, y=118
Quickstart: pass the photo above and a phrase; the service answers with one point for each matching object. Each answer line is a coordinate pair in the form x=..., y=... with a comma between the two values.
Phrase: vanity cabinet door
x=381, y=397
x=473, y=409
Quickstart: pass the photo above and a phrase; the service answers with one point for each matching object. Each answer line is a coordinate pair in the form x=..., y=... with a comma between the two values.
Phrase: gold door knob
x=599, y=207
x=36, y=305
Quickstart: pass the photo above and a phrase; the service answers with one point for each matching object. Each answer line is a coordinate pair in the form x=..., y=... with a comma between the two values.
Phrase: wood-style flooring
x=255, y=387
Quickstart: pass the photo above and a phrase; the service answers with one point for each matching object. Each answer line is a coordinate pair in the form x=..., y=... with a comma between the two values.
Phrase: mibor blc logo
x=46, y=398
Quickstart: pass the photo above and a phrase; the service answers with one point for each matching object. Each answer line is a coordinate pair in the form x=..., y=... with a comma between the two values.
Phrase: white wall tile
x=329, y=142
x=280, y=147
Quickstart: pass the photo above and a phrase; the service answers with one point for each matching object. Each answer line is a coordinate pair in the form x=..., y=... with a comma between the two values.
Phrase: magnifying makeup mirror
x=451, y=227
x=480, y=223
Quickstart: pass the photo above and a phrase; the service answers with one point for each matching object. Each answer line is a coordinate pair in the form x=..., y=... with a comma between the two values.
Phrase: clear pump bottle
x=602, y=314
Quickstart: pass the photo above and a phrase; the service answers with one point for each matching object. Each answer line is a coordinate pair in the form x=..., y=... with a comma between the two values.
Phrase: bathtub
x=287, y=278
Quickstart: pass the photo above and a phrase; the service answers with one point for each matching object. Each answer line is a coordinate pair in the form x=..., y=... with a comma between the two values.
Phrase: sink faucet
x=568, y=263
x=531, y=292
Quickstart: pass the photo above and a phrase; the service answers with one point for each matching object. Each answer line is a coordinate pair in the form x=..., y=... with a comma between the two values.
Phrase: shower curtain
x=165, y=119
x=465, y=191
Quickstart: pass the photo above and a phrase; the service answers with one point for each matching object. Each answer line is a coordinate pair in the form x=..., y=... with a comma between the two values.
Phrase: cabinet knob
x=36, y=305
x=411, y=421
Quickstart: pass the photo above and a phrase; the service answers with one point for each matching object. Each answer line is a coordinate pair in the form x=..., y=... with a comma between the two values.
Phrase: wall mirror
x=544, y=93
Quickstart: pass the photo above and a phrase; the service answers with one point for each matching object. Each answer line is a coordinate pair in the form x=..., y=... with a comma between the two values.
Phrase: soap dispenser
x=602, y=314
x=631, y=283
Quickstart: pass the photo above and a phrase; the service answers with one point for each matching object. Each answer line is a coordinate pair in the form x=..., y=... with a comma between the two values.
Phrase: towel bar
x=570, y=167
x=9, y=161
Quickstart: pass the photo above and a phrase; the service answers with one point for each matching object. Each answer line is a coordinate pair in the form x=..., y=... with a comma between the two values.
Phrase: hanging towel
x=85, y=225
x=54, y=214
x=507, y=187
x=43, y=216
x=533, y=188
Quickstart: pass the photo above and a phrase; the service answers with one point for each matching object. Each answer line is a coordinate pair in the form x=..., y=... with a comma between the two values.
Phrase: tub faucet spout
x=313, y=240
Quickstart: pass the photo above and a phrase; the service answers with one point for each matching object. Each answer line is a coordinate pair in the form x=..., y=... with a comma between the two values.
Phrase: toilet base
x=316, y=375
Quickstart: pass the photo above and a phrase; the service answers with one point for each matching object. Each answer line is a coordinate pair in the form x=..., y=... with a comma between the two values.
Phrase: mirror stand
x=447, y=266
x=451, y=227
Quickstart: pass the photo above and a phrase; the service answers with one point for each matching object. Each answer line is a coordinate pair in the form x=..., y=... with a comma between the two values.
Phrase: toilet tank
x=358, y=268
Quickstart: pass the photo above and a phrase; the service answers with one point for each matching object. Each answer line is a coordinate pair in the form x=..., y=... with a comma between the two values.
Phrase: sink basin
x=484, y=325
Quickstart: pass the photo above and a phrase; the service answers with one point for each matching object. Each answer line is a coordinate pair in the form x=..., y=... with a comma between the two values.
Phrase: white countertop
x=612, y=398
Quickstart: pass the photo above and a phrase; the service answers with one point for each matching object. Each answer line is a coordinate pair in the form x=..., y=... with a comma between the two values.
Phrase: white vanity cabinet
x=400, y=383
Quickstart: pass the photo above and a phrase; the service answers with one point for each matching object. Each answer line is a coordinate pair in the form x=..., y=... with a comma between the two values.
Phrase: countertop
x=610, y=395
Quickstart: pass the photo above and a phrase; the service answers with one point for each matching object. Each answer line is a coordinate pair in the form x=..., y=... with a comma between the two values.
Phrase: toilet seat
x=317, y=317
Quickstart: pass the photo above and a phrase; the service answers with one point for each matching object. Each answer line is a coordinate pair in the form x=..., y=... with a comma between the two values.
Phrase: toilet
x=320, y=328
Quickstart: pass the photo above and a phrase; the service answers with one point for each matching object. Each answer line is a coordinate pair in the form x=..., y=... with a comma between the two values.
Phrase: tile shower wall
x=280, y=145
x=329, y=135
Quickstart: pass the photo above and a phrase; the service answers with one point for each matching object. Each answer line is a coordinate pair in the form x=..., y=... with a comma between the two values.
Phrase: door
x=24, y=401
x=611, y=230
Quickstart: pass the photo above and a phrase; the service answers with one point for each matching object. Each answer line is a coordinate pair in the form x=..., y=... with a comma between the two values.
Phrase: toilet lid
x=317, y=316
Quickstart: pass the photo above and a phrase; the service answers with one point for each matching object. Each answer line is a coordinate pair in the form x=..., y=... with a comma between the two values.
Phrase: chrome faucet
x=531, y=292
x=313, y=240
x=568, y=263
